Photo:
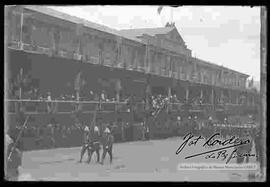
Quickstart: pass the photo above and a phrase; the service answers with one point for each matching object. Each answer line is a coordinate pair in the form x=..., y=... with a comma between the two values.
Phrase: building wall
x=107, y=49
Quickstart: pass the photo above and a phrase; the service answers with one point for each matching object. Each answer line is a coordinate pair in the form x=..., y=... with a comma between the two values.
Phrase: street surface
x=153, y=160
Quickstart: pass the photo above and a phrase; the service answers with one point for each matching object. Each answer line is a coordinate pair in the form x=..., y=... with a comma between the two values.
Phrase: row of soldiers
x=93, y=138
x=207, y=128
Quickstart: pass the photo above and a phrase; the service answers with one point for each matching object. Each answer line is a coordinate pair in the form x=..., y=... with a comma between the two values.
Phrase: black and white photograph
x=135, y=93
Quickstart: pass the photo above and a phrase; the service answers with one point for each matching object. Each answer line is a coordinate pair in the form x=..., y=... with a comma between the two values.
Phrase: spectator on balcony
x=174, y=99
x=73, y=97
x=96, y=97
x=103, y=96
x=91, y=95
x=49, y=97
x=62, y=97
x=49, y=104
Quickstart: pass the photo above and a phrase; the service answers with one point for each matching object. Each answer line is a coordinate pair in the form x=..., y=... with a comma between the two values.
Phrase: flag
x=159, y=9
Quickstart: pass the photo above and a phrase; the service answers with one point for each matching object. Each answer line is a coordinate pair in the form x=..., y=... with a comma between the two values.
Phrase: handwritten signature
x=191, y=140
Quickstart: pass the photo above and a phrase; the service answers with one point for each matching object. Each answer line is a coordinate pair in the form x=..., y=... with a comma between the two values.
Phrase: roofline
x=219, y=66
x=76, y=20
x=109, y=30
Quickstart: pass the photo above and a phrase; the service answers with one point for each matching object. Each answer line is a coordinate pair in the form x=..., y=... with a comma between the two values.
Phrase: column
x=237, y=98
x=263, y=116
x=118, y=88
x=136, y=59
x=212, y=96
x=230, y=97
x=118, y=58
x=147, y=94
x=169, y=91
x=21, y=28
x=187, y=93
x=249, y=101
x=146, y=60
x=170, y=100
x=201, y=95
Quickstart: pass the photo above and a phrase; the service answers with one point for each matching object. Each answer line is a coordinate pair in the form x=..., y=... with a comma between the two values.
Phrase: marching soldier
x=86, y=140
x=94, y=143
x=107, y=144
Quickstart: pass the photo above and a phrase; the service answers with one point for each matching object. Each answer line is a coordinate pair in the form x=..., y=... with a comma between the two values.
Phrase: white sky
x=225, y=35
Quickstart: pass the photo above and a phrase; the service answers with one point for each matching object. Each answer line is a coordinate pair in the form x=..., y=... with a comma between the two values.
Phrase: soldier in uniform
x=188, y=125
x=178, y=124
x=86, y=140
x=223, y=130
x=147, y=132
x=257, y=142
x=244, y=149
x=94, y=143
x=194, y=126
x=50, y=136
x=143, y=130
x=107, y=144
x=209, y=127
x=13, y=159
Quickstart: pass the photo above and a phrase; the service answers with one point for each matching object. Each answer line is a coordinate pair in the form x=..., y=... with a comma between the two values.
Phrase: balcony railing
x=64, y=106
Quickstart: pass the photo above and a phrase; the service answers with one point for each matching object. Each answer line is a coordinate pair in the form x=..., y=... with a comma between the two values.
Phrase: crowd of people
x=55, y=135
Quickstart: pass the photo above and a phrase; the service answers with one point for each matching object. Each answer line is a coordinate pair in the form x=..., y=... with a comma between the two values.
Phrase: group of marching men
x=92, y=141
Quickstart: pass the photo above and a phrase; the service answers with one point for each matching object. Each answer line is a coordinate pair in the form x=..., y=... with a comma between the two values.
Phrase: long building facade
x=49, y=51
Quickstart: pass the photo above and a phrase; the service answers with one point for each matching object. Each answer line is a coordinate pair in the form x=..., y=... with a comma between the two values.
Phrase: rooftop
x=130, y=34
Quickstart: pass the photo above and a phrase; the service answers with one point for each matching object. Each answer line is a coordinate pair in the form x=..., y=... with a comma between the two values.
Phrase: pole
x=187, y=93
x=94, y=117
x=18, y=137
x=171, y=15
x=21, y=31
x=201, y=95
x=263, y=39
